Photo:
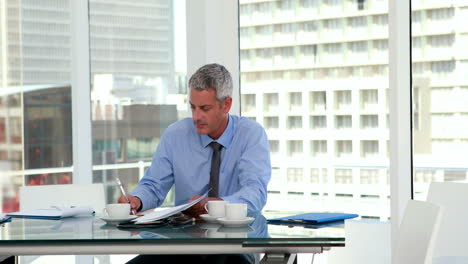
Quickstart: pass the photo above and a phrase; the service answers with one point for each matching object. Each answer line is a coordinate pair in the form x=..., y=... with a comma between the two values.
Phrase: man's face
x=209, y=115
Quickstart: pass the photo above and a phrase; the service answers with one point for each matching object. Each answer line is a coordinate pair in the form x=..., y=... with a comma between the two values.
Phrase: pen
x=124, y=193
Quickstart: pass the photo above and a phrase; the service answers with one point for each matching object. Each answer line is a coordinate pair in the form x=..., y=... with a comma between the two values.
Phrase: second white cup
x=118, y=210
x=236, y=211
x=216, y=208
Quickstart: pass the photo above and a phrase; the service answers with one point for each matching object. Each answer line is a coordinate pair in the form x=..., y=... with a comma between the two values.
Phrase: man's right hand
x=135, y=202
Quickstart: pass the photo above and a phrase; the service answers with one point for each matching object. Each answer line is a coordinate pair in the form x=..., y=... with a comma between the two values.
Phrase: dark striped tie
x=214, y=173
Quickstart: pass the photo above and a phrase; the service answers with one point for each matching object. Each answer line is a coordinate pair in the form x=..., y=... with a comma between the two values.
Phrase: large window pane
x=440, y=89
x=315, y=75
x=35, y=96
x=138, y=84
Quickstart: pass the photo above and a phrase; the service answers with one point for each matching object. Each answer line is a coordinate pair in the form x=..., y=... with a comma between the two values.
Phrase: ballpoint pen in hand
x=124, y=194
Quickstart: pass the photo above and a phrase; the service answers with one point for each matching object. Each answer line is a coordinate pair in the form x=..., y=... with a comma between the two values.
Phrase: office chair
x=451, y=245
x=44, y=196
x=417, y=232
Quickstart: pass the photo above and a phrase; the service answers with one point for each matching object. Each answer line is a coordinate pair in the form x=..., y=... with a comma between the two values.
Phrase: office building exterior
x=315, y=75
x=132, y=58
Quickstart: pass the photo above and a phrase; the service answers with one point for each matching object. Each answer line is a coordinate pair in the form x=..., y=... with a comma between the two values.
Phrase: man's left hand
x=199, y=208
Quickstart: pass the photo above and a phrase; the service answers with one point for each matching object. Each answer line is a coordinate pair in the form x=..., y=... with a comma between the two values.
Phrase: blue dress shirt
x=183, y=158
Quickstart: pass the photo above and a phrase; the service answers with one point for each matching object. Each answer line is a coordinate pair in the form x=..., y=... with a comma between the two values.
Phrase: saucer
x=115, y=221
x=236, y=223
x=209, y=219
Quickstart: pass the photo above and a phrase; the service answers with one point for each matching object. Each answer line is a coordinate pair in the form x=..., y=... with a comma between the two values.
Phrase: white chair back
x=45, y=196
x=367, y=242
x=452, y=239
x=417, y=233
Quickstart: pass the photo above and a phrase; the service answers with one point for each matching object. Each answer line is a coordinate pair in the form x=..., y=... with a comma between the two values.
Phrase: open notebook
x=54, y=212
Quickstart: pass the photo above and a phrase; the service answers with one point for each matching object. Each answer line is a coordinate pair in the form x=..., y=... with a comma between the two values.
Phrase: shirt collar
x=225, y=139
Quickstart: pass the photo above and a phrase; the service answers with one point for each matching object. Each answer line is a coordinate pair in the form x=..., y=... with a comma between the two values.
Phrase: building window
x=343, y=122
x=369, y=121
x=343, y=148
x=295, y=175
x=318, y=147
x=369, y=176
x=294, y=122
x=343, y=176
x=318, y=122
x=369, y=148
x=274, y=146
x=271, y=122
x=294, y=148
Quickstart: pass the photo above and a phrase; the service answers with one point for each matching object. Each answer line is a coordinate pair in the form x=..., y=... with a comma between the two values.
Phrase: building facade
x=315, y=75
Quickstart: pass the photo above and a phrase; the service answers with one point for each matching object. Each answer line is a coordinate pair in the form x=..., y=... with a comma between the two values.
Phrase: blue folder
x=313, y=218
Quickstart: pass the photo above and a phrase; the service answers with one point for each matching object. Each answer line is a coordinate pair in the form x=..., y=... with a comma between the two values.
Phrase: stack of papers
x=54, y=212
x=161, y=214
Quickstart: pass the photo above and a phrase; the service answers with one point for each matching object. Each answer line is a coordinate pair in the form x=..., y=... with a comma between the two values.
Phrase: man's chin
x=202, y=131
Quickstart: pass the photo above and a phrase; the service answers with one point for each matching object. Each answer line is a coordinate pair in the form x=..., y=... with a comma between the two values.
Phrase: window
x=369, y=176
x=322, y=80
x=274, y=146
x=295, y=175
x=270, y=102
x=342, y=100
x=369, y=148
x=271, y=122
x=344, y=148
x=439, y=79
x=35, y=113
x=295, y=101
x=369, y=100
x=318, y=147
x=248, y=104
x=294, y=122
x=138, y=85
x=318, y=101
x=294, y=148
x=318, y=122
x=343, y=122
x=369, y=121
x=343, y=176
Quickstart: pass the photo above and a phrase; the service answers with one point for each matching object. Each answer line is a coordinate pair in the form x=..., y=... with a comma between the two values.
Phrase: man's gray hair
x=213, y=76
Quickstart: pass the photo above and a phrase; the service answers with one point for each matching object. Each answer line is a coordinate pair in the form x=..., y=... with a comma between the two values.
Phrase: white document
x=161, y=214
x=54, y=212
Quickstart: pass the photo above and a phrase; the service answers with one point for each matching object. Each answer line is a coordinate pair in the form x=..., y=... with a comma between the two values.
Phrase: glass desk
x=92, y=236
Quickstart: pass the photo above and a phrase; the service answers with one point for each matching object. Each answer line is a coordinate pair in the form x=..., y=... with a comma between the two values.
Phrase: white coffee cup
x=118, y=210
x=216, y=208
x=236, y=211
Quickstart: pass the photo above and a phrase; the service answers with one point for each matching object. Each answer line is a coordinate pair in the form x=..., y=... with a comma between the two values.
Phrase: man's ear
x=227, y=104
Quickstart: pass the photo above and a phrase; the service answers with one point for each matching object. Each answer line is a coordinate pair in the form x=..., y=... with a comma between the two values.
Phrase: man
x=184, y=155
x=186, y=158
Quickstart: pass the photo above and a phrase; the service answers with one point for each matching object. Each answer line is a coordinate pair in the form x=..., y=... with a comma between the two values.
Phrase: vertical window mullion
x=81, y=106
x=214, y=42
x=400, y=112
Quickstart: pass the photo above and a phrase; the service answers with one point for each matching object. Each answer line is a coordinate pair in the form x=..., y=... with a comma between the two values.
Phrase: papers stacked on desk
x=163, y=213
x=53, y=213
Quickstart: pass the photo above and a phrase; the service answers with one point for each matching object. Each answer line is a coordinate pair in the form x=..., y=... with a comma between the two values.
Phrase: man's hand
x=135, y=202
x=199, y=208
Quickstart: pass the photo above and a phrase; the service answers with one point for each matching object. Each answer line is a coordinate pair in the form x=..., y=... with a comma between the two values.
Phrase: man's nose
x=196, y=114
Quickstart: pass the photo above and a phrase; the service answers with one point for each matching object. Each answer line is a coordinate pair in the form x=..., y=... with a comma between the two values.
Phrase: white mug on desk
x=216, y=208
x=236, y=211
x=118, y=210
